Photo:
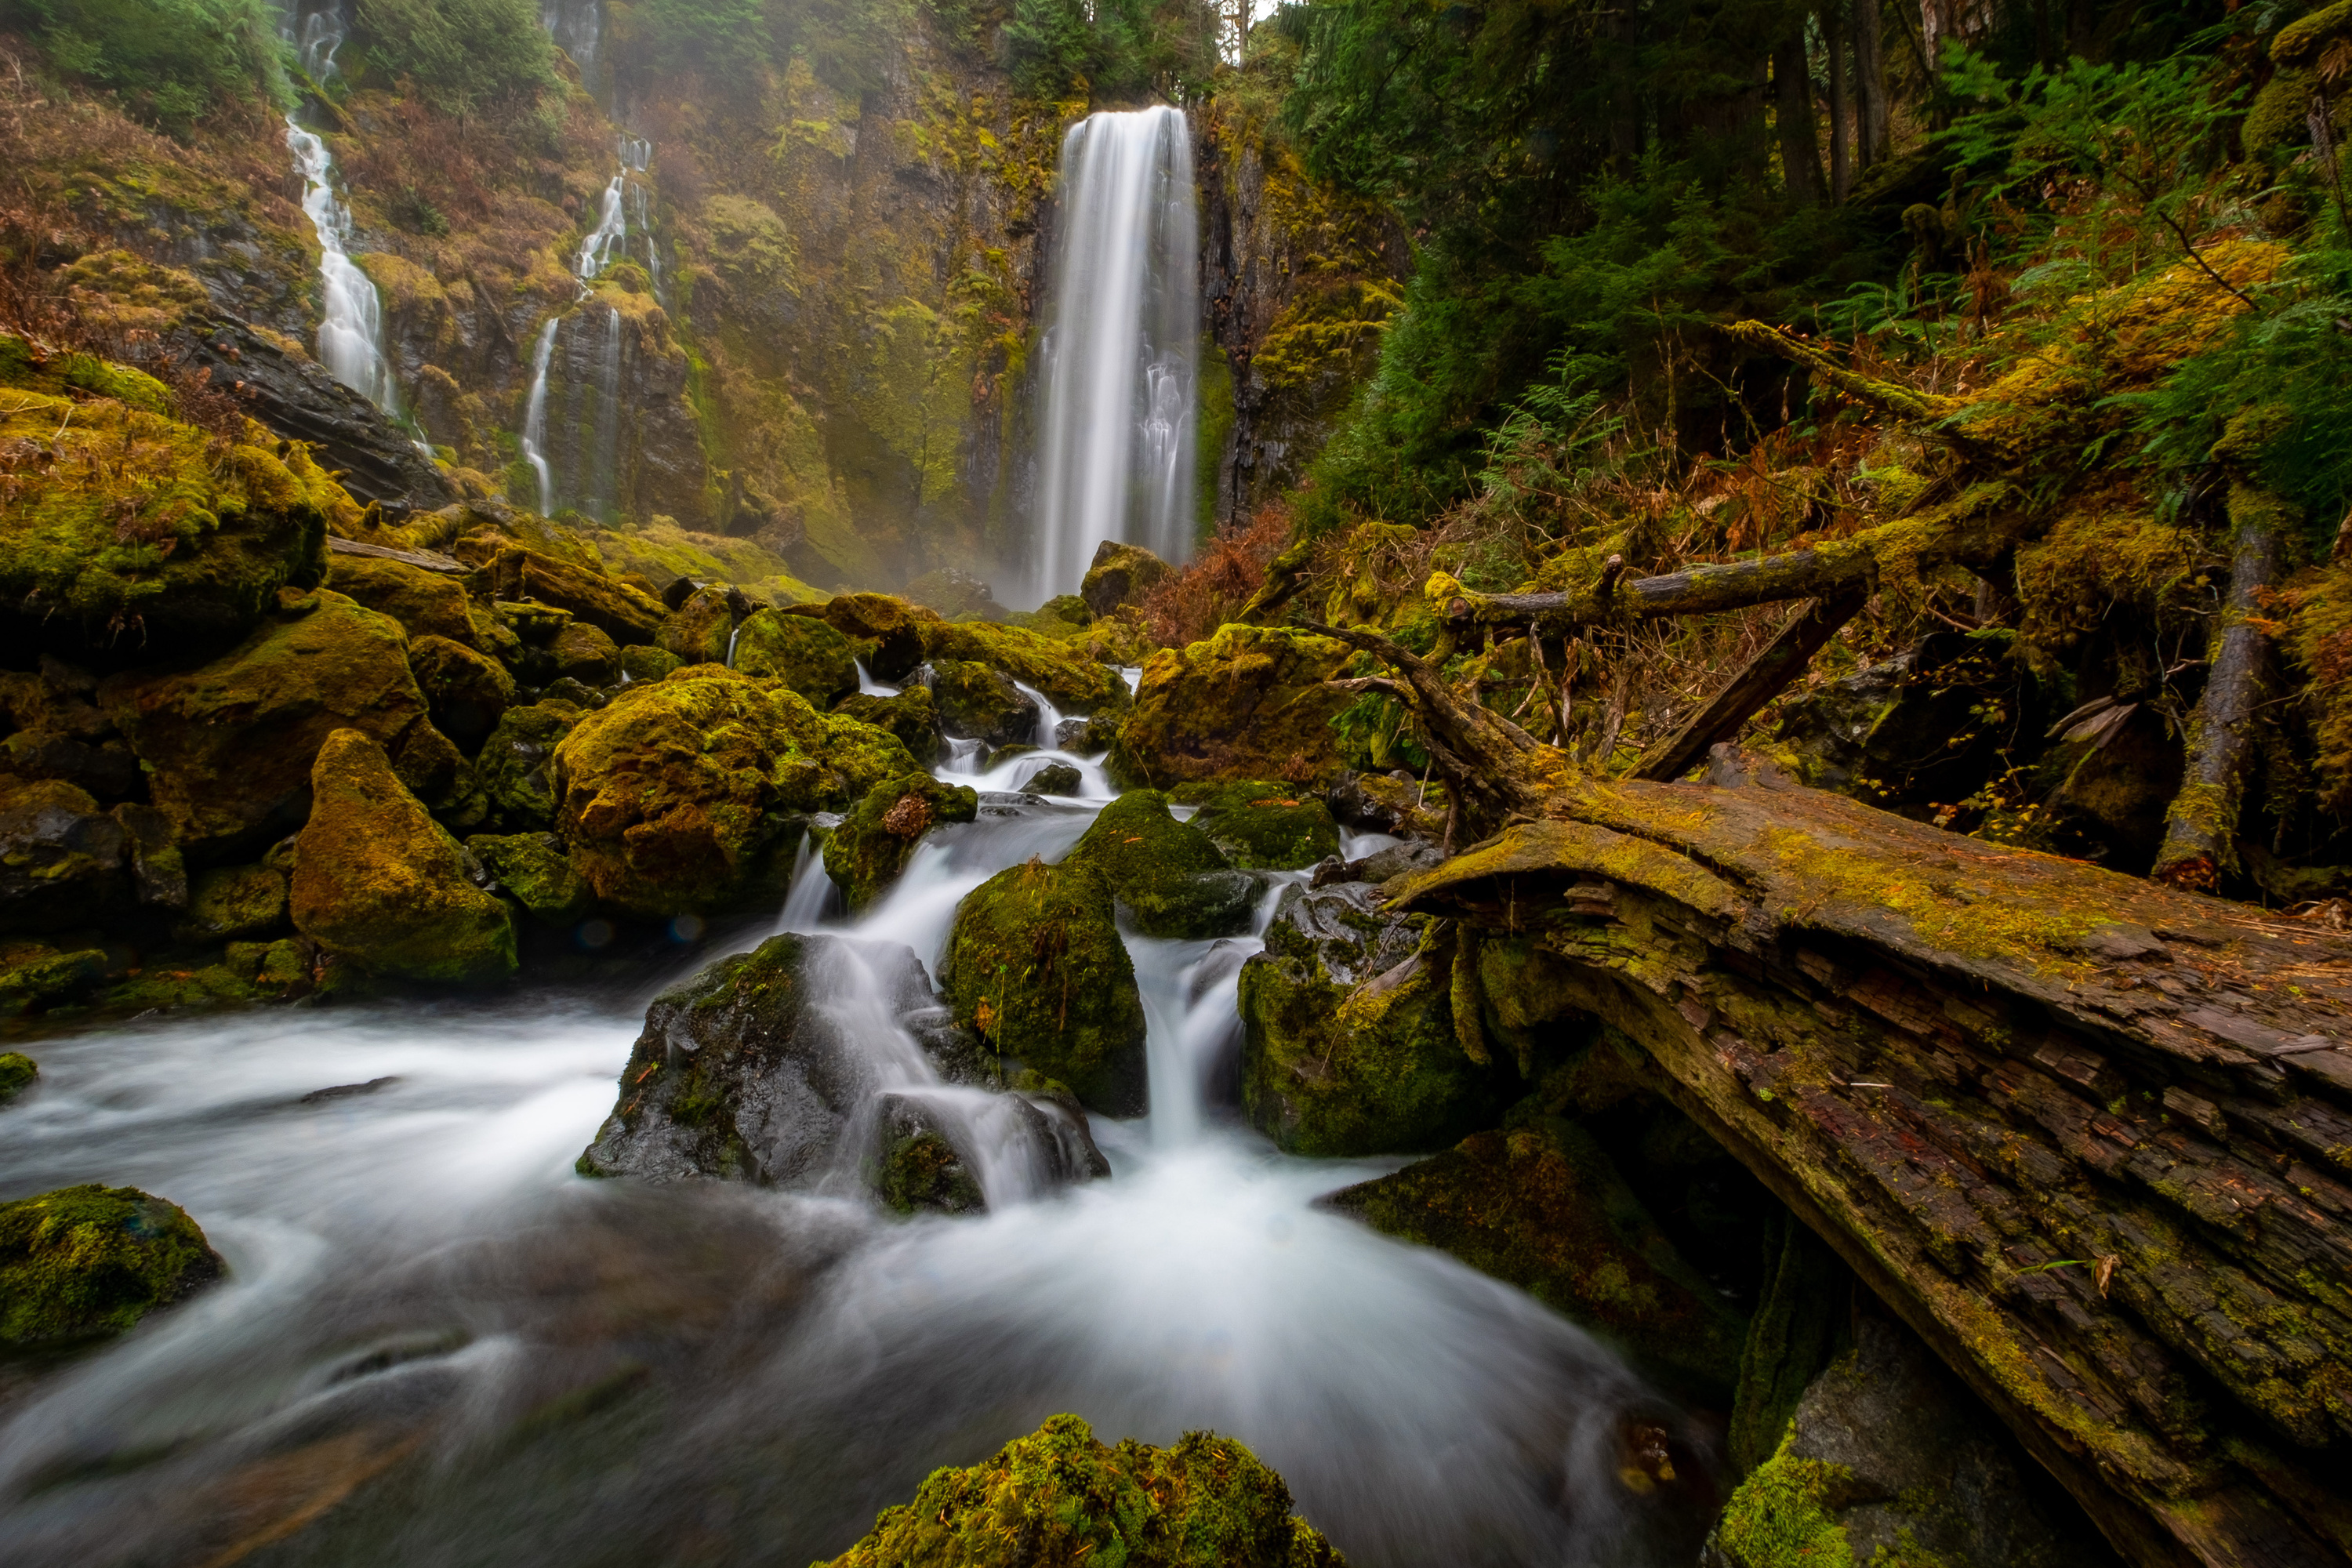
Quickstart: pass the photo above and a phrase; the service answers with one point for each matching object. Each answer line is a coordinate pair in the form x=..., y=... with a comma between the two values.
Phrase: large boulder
x=1071, y=681
x=978, y=703
x=1121, y=574
x=18, y=1074
x=1264, y=827
x=34, y=975
x=80, y=1263
x=680, y=794
x=910, y=715
x=1542, y=1206
x=1058, y=1498
x=866, y=853
x=1168, y=879
x=890, y=629
x=1349, y=1039
x=702, y=627
x=801, y=651
x=228, y=745
x=917, y=1165
x=533, y=869
x=516, y=766
x=378, y=881
x=127, y=538
x=1036, y=969
x=1248, y=703
x=622, y=611
x=467, y=692
x=63, y=861
x=427, y=604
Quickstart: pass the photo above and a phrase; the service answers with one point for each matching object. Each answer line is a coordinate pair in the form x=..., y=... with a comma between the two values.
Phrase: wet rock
x=1036, y=969
x=1248, y=703
x=644, y=662
x=891, y=627
x=699, y=630
x=34, y=976
x=1887, y=1460
x=910, y=716
x=18, y=1072
x=2115, y=786
x=533, y=868
x=85, y=1262
x=1822, y=735
x=1380, y=866
x=1264, y=827
x=515, y=768
x=585, y=653
x=916, y=1165
x=1054, y=778
x=379, y=882
x=865, y=854
x=437, y=773
x=1070, y=681
x=1348, y=1039
x=1400, y=805
x=62, y=859
x=1088, y=737
x=955, y=594
x=426, y=603
x=1057, y=1498
x=229, y=745
x=158, y=871
x=1121, y=574
x=1168, y=880
x=466, y=692
x=233, y=902
x=574, y=581
x=1542, y=1206
x=58, y=733
x=977, y=703
x=566, y=688
x=801, y=651
x=680, y=795
x=282, y=969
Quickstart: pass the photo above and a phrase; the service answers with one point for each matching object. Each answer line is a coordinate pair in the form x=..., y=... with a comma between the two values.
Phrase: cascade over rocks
x=866, y=853
x=1168, y=880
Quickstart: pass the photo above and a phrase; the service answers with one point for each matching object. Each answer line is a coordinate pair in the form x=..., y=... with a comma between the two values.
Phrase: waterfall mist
x=1121, y=342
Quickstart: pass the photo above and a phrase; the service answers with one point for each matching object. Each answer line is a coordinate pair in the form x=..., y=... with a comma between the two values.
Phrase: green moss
x=1266, y=826
x=34, y=975
x=866, y=852
x=910, y=716
x=533, y=868
x=1789, y=1340
x=919, y=1170
x=644, y=662
x=1248, y=703
x=801, y=651
x=1780, y=1517
x=1070, y=681
x=1171, y=881
x=515, y=765
x=1036, y=967
x=1118, y=574
x=976, y=702
x=86, y=1261
x=1215, y=428
x=1058, y=1498
x=233, y=901
x=18, y=1072
x=701, y=629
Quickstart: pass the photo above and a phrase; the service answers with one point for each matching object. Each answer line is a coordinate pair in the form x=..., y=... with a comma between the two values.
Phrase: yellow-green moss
x=81, y=1262
x=1780, y=1517
x=1173, y=882
x=1248, y=703
x=866, y=853
x=1070, y=681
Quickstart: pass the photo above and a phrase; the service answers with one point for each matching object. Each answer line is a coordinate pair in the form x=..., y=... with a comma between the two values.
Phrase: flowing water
x=1122, y=319
x=350, y=319
x=534, y=415
x=590, y=456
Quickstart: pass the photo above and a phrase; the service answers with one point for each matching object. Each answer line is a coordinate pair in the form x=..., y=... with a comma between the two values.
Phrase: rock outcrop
x=1248, y=703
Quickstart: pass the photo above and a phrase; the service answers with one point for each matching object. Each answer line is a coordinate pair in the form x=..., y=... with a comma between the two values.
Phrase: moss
x=675, y=796
x=701, y=628
x=1789, y=1340
x=81, y=1262
x=1781, y=1516
x=1119, y=575
x=801, y=651
x=1248, y=703
x=909, y=716
x=2319, y=638
x=1036, y=969
x=34, y=975
x=162, y=989
x=233, y=901
x=1267, y=826
x=18, y=1072
x=644, y=662
x=378, y=881
x=866, y=852
x=468, y=693
x=1170, y=881
x=918, y=1169
x=1058, y=1498
x=1071, y=682
x=977, y=703
x=891, y=629
x=584, y=652
x=532, y=867
x=515, y=765
x=426, y=603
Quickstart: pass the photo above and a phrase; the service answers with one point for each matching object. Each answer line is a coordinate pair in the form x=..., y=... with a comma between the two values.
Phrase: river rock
x=34, y=975
x=1058, y=1498
x=642, y=662
x=866, y=853
x=1349, y=1039
x=585, y=653
x=1248, y=703
x=700, y=628
x=62, y=859
x=918, y=1165
x=516, y=766
x=978, y=703
x=680, y=795
x=579, y=585
x=889, y=629
x=801, y=651
x=910, y=715
x=1121, y=574
x=1036, y=969
x=378, y=881
x=1070, y=681
x=533, y=868
x=955, y=593
x=84, y=1262
x=1168, y=879
x=59, y=732
x=1264, y=827
x=18, y=1072
x=1054, y=778
x=467, y=692
x=233, y=902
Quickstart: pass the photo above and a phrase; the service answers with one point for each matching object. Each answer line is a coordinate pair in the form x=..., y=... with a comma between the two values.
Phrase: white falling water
x=610, y=235
x=534, y=417
x=1122, y=325
x=351, y=326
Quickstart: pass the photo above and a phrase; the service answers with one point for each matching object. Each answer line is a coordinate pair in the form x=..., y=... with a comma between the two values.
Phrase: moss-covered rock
x=1058, y=1498
x=579, y=585
x=228, y=745
x=801, y=651
x=910, y=715
x=1248, y=703
x=284, y=969
x=866, y=853
x=127, y=537
x=585, y=653
x=1121, y=574
x=642, y=662
x=18, y=1072
x=698, y=631
x=516, y=766
x=82, y=1262
x=1264, y=827
x=466, y=692
x=1170, y=880
x=918, y=1166
x=1071, y=681
x=1036, y=969
x=678, y=796
x=63, y=861
x=1542, y=1206
x=34, y=975
x=232, y=903
x=1054, y=778
x=426, y=603
x=379, y=882
x=890, y=628
x=977, y=703
x=533, y=868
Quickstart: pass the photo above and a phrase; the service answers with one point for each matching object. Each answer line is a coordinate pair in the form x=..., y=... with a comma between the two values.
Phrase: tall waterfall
x=351, y=323
x=1122, y=327
x=591, y=417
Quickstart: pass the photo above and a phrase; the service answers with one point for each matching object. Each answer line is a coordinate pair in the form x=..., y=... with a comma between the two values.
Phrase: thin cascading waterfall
x=1121, y=344
x=603, y=467
x=534, y=417
x=322, y=34
x=350, y=325
x=577, y=29
x=610, y=235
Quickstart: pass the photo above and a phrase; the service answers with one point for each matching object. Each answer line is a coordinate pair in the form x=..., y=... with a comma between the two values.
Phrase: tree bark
x=2200, y=827
x=1782, y=660
x=1793, y=113
x=1834, y=33
x=1874, y=122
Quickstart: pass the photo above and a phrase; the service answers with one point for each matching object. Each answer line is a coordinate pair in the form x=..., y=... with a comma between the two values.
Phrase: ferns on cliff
x=465, y=53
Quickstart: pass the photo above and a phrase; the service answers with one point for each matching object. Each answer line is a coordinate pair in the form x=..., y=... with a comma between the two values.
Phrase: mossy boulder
x=1540, y=1205
x=1169, y=880
x=285, y=968
x=698, y=631
x=466, y=692
x=516, y=766
x=1348, y=1039
x=579, y=585
x=977, y=703
x=228, y=745
x=18, y=1072
x=1054, y=778
x=1248, y=703
x=63, y=861
x=83, y=1262
x=955, y=595
x=1058, y=1498
x=34, y=975
x=644, y=662
x=533, y=868
x=680, y=794
x=585, y=653
x=232, y=903
x=890, y=628
x=1036, y=969
x=866, y=853
x=1264, y=827
x=1121, y=574
x=379, y=882
x=128, y=538
x=801, y=651
x=910, y=716
x=918, y=1166
x=426, y=603
x=1071, y=681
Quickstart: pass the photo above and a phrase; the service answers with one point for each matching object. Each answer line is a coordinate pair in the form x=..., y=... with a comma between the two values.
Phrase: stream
x=439, y=1345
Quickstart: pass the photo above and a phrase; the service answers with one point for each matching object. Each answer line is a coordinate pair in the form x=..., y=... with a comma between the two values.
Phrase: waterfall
x=603, y=466
x=1122, y=324
x=534, y=417
x=610, y=235
x=351, y=326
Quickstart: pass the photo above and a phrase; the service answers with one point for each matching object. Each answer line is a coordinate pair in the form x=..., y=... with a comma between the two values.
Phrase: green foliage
x=1120, y=50
x=171, y=61
x=468, y=54
x=724, y=42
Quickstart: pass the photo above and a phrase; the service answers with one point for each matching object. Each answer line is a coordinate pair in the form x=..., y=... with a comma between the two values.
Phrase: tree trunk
x=2201, y=828
x=1782, y=660
x=1834, y=33
x=1874, y=123
x=1793, y=112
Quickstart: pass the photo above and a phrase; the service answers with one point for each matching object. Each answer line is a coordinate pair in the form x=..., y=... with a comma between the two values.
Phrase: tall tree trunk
x=1874, y=123
x=1793, y=109
x=1833, y=35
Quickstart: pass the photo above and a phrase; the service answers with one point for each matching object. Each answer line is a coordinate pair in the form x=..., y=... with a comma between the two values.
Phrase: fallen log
x=1782, y=660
